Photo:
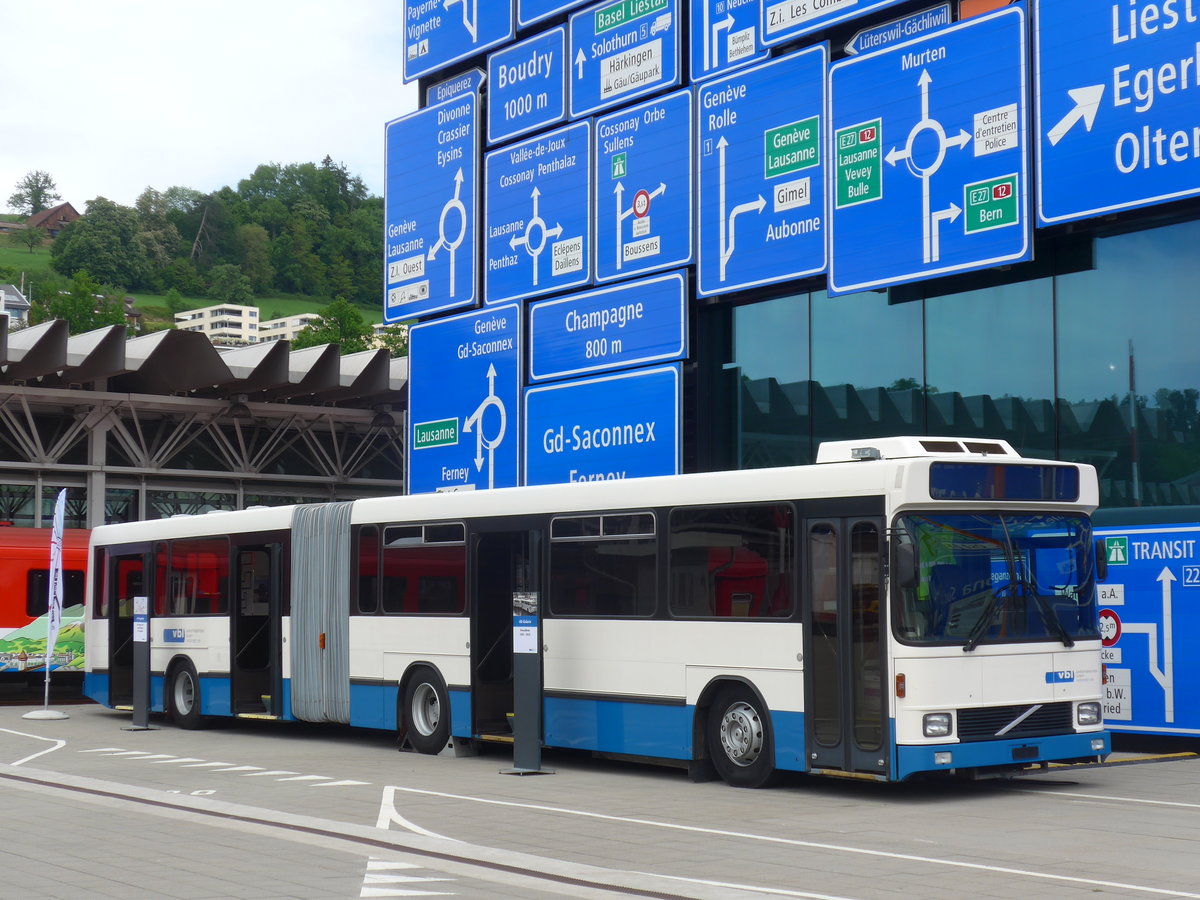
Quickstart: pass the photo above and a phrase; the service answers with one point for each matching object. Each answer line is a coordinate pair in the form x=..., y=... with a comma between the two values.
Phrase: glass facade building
x=1089, y=353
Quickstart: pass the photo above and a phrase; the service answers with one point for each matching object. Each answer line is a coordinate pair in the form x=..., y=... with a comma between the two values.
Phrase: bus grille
x=985, y=723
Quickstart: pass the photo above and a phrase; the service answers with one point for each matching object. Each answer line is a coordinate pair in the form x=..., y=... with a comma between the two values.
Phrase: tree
x=227, y=284
x=85, y=307
x=394, y=339
x=176, y=302
x=338, y=323
x=256, y=256
x=104, y=243
x=28, y=237
x=35, y=192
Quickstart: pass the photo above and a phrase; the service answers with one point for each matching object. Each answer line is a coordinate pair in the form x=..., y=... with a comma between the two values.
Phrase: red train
x=24, y=597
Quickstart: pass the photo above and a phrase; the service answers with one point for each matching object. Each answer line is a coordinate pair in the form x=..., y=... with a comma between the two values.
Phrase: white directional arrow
x=895, y=155
x=753, y=206
x=1087, y=104
x=949, y=214
x=476, y=418
x=959, y=140
x=453, y=204
x=924, y=81
x=724, y=25
x=580, y=59
x=469, y=18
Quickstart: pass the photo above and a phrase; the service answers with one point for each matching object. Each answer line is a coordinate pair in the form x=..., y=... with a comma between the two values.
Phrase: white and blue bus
x=904, y=606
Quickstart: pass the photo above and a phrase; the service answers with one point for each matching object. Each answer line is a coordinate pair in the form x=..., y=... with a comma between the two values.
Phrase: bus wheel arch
x=181, y=694
x=423, y=713
x=733, y=731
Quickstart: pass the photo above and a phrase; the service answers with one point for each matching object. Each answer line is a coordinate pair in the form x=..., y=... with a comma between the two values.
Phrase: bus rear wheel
x=739, y=738
x=183, y=697
x=427, y=711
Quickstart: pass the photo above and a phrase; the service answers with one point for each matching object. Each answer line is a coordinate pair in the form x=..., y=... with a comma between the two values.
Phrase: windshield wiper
x=1049, y=616
x=985, y=621
x=981, y=626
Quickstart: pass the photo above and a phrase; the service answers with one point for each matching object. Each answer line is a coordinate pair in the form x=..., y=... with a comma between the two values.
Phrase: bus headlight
x=1088, y=714
x=937, y=724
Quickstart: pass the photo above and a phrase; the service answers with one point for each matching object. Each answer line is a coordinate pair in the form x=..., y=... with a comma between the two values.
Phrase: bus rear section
x=24, y=602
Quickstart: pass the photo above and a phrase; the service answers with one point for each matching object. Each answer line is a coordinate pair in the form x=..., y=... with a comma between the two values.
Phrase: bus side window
x=732, y=561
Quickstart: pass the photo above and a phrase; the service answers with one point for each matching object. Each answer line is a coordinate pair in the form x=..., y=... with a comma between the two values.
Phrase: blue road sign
x=438, y=33
x=1150, y=597
x=463, y=391
x=786, y=20
x=622, y=50
x=644, y=180
x=431, y=209
x=1116, y=111
x=635, y=323
x=530, y=11
x=538, y=215
x=527, y=85
x=602, y=429
x=903, y=29
x=462, y=83
x=724, y=36
x=762, y=177
x=929, y=156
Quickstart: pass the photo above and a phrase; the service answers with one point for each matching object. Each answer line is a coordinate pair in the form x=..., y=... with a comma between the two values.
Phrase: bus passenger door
x=127, y=578
x=846, y=720
x=504, y=563
x=255, y=631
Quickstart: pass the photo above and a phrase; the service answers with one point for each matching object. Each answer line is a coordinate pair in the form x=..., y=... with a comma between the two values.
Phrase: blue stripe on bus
x=910, y=760
x=611, y=726
x=789, y=740
x=95, y=687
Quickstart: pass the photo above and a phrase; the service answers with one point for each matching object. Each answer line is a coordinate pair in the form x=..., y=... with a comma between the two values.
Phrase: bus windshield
x=994, y=578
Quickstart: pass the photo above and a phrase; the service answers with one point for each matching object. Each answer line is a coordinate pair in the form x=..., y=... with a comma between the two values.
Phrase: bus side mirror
x=905, y=565
x=1101, y=560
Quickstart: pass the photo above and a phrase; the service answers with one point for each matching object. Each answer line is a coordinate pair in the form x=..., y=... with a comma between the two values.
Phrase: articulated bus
x=25, y=599
x=904, y=606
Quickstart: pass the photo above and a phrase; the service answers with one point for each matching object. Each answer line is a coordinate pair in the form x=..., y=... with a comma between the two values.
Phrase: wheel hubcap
x=742, y=734
x=426, y=709
x=185, y=693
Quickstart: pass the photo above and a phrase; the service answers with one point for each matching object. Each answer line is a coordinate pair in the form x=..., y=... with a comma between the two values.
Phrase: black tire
x=426, y=711
x=739, y=737
x=183, y=697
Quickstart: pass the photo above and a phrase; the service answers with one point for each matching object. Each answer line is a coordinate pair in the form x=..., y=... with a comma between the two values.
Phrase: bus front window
x=994, y=578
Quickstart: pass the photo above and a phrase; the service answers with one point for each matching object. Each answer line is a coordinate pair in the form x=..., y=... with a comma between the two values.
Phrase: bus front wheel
x=427, y=711
x=739, y=737
x=183, y=697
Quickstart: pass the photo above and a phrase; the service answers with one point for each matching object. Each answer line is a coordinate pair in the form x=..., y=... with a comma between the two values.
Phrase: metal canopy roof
x=185, y=363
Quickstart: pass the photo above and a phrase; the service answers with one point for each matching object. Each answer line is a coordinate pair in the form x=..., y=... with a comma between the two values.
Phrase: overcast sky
x=112, y=96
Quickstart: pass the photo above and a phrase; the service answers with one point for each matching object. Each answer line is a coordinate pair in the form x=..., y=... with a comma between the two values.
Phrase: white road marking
x=58, y=745
x=343, y=783
x=1112, y=799
x=774, y=892
x=381, y=872
x=388, y=815
x=305, y=778
x=815, y=845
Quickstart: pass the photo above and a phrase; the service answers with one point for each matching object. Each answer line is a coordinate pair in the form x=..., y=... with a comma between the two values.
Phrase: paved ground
x=267, y=809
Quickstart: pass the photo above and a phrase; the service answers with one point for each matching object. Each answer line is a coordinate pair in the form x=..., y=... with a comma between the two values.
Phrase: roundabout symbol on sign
x=1110, y=627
